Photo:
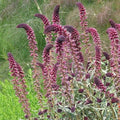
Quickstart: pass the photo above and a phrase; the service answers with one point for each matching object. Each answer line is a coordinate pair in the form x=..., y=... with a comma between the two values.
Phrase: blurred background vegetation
x=14, y=12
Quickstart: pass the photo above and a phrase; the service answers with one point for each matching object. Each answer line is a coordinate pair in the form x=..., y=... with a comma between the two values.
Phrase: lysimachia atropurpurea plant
x=75, y=88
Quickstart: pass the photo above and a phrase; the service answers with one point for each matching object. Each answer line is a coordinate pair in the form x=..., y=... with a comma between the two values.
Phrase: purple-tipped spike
x=56, y=19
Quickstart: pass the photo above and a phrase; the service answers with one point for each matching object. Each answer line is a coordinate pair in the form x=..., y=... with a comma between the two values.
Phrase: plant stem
x=38, y=7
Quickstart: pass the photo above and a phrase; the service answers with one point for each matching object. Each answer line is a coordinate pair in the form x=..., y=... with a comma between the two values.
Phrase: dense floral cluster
x=74, y=87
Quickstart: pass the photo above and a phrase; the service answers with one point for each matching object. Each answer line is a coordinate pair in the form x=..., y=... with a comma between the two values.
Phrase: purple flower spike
x=23, y=25
x=33, y=51
x=46, y=54
x=95, y=36
x=60, y=39
x=82, y=14
x=56, y=19
x=19, y=84
x=99, y=84
x=43, y=18
x=97, y=58
x=114, y=25
x=74, y=33
x=114, y=100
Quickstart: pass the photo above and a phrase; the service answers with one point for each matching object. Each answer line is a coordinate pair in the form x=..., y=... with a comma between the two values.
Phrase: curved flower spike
x=43, y=18
x=95, y=36
x=56, y=19
x=82, y=12
x=73, y=31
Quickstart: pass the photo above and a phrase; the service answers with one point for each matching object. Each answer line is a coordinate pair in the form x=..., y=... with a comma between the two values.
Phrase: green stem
x=38, y=7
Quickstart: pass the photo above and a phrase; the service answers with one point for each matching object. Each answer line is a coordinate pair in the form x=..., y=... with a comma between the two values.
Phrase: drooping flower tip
x=48, y=47
x=106, y=55
x=49, y=29
x=60, y=39
x=23, y=25
x=43, y=18
x=80, y=6
x=41, y=65
x=112, y=23
x=10, y=54
x=69, y=28
x=56, y=9
x=56, y=19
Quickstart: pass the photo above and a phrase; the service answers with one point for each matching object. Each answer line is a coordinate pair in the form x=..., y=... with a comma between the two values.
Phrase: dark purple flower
x=109, y=74
x=99, y=84
x=48, y=116
x=78, y=102
x=114, y=100
x=72, y=109
x=81, y=90
x=111, y=95
x=40, y=113
x=108, y=104
x=43, y=18
x=56, y=19
x=44, y=111
x=26, y=116
x=99, y=100
x=35, y=118
x=106, y=55
x=107, y=84
x=82, y=14
x=85, y=118
x=60, y=39
x=112, y=23
x=87, y=76
x=88, y=101
x=59, y=110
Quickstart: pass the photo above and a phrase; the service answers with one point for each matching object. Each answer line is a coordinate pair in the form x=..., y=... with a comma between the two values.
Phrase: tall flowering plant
x=75, y=88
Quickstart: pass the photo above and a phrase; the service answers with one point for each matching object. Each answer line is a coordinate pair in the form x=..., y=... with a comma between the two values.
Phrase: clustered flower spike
x=46, y=53
x=19, y=84
x=99, y=84
x=43, y=18
x=97, y=43
x=56, y=19
x=114, y=25
x=33, y=50
x=82, y=12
